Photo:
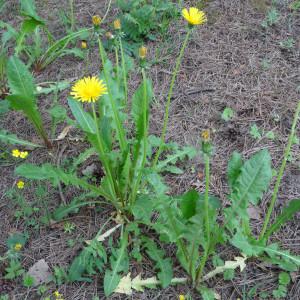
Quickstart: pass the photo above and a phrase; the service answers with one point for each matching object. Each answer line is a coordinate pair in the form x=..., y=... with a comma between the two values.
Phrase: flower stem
x=124, y=71
x=281, y=171
x=207, y=224
x=166, y=117
x=206, y=197
x=102, y=155
x=120, y=128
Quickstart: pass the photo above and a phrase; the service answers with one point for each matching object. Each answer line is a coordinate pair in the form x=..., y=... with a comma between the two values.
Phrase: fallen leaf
x=64, y=133
x=124, y=286
x=106, y=234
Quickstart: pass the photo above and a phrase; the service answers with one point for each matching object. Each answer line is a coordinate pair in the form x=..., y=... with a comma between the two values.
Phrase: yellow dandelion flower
x=96, y=20
x=117, y=24
x=181, y=297
x=16, y=153
x=88, y=89
x=194, y=16
x=57, y=295
x=23, y=154
x=20, y=184
x=18, y=247
x=143, y=52
x=83, y=44
x=205, y=135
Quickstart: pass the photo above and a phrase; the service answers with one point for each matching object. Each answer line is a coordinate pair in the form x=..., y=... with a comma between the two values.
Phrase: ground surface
x=231, y=62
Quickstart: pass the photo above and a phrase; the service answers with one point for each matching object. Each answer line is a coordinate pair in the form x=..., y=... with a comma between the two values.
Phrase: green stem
x=201, y=267
x=281, y=171
x=117, y=65
x=124, y=71
x=207, y=224
x=102, y=155
x=120, y=128
x=72, y=14
x=166, y=117
x=206, y=197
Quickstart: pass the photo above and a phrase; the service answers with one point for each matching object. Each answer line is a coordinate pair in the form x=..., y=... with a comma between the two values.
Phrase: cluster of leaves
x=145, y=19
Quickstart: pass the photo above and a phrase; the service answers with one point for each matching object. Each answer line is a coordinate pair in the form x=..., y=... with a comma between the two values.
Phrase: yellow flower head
x=83, y=44
x=23, y=154
x=57, y=295
x=20, y=184
x=15, y=153
x=143, y=52
x=181, y=297
x=194, y=16
x=88, y=89
x=205, y=135
x=18, y=247
x=96, y=20
x=117, y=24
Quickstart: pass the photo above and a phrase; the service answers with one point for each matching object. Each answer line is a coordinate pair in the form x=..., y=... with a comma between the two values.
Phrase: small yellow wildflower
x=20, y=184
x=83, y=44
x=23, y=154
x=117, y=24
x=205, y=135
x=88, y=89
x=57, y=295
x=181, y=297
x=96, y=20
x=194, y=16
x=143, y=52
x=16, y=153
x=18, y=247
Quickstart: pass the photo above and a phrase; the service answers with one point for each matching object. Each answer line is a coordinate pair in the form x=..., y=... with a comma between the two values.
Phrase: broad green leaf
x=112, y=277
x=8, y=138
x=140, y=107
x=188, y=203
x=164, y=265
x=20, y=80
x=55, y=175
x=143, y=208
x=254, y=179
x=234, y=168
x=287, y=214
x=28, y=9
x=29, y=108
x=83, y=118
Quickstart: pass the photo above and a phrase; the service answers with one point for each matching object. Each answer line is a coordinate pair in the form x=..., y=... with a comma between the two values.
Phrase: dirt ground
x=230, y=62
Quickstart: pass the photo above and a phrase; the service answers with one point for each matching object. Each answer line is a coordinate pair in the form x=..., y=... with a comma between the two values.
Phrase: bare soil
x=230, y=62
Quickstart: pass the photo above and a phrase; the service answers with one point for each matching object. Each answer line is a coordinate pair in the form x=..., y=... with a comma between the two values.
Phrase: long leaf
x=20, y=80
x=254, y=179
x=84, y=120
x=8, y=138
x=112, y=277
x=55, y=175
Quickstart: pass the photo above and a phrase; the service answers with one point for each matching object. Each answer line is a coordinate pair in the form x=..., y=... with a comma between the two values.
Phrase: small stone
x=40, y=272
